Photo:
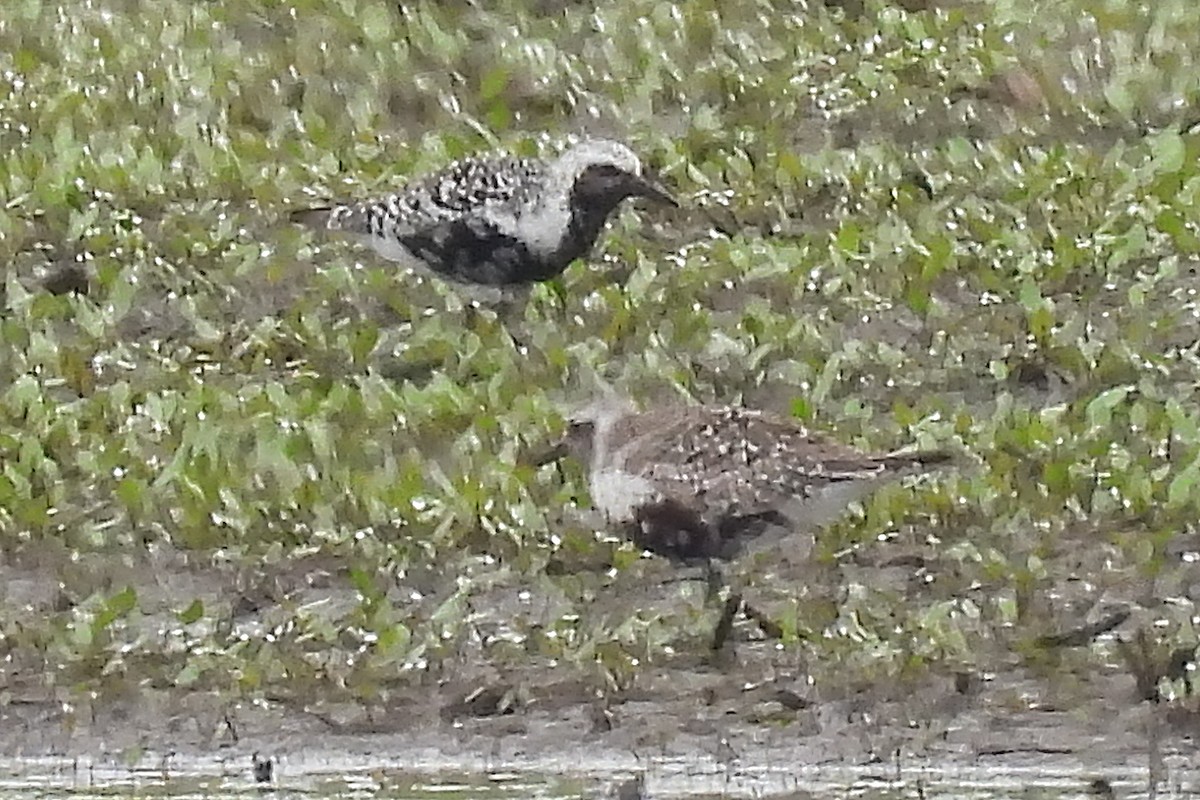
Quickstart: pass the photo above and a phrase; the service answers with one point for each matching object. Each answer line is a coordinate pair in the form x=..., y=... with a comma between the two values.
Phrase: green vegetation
x=234, y=459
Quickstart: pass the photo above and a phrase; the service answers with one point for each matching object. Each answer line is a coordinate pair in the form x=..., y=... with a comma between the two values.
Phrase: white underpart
x=618, y=494
x=830, y=503
x=390, y=248
x=542, y=227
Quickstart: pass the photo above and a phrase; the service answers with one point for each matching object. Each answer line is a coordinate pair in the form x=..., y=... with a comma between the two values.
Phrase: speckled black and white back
x=490, y=221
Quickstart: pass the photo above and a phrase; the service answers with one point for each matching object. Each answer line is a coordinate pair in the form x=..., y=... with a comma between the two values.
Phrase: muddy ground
x=755, y=720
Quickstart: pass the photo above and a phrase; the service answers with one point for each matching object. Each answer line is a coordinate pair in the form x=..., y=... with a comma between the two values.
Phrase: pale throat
x=618, y=494
x=615, y=491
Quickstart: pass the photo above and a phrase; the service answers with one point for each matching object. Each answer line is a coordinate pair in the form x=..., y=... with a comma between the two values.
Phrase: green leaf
x=1030, y=295
x=1168, y=152
x=129, y=492
x=376, y=21
x=1100, y=409
x=365, y=339
x=494, y=82
x=1118, y=96
x=189, y=674
x=192, y=613
x=1182, y=489
x=849, y=237
x=116, y=607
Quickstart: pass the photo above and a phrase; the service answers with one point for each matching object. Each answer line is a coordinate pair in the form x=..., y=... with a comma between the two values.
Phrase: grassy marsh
x=248, y=468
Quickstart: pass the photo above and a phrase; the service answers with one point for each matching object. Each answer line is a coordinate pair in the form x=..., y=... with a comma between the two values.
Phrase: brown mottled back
x=741, y=460
x=724, y=475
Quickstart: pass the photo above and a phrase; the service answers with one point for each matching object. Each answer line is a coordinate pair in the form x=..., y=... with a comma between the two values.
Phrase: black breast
x=469, y=249
x=590, y=211
x=582, y=233
x=672, y=530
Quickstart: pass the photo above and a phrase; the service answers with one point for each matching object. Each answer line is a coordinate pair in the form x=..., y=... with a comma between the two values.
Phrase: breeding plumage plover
x=498, y=224
x=707, y=483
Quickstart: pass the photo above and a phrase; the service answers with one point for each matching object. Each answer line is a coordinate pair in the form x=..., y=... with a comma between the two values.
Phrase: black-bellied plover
x=709, y=483
x=498, y=224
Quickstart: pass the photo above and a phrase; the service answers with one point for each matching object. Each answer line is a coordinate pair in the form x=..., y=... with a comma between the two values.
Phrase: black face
x=580, y=429
x=605, y=184
x=576, y=442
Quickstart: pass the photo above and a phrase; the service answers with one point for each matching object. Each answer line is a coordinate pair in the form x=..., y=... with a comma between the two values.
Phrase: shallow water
x=317, y=777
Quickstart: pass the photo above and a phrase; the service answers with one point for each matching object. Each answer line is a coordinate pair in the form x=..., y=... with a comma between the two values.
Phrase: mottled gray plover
x=497, y=224
x=710, y=483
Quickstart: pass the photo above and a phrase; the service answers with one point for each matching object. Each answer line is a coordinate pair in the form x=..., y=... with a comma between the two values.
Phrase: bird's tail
x=332, y=218
x=853, y=481
x=916, y=458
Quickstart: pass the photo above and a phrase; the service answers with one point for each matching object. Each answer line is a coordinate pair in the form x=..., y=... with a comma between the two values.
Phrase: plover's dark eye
x=579, y=427
x=607, y=171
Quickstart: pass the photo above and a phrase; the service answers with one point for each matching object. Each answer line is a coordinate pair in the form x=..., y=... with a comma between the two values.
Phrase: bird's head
x=603, y=173
x=588, y=431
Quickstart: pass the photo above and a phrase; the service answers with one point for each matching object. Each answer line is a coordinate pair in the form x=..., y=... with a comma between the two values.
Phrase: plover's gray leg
x=510, y=312
x=715, y=583
x=485, y=307
x=734, y=604
x=768, y=626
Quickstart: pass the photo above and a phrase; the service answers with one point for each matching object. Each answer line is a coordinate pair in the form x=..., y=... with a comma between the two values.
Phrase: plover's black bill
x=644, y=187
x=545, y=455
